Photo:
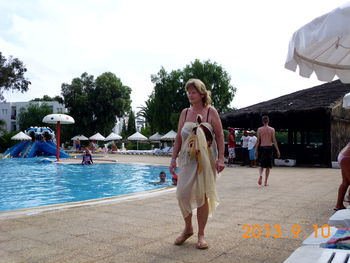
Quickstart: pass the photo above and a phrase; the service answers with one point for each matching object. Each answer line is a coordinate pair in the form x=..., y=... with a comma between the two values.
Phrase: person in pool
x=87, y=158
x=162, y=179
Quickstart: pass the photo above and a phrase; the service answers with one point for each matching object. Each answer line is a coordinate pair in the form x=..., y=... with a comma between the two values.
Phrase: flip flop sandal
x=202, y=245
x=181, y=239
x=337, y=209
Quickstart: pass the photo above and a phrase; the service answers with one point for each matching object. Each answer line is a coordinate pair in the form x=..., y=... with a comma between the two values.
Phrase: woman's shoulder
x=184, y=113
x=212, y=109
x=184, y=110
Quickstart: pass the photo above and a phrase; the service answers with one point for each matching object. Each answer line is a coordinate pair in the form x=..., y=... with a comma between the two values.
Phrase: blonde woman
x=199, y=147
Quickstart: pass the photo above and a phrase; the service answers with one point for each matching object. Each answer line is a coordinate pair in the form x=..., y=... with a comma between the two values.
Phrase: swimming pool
x=27, y=183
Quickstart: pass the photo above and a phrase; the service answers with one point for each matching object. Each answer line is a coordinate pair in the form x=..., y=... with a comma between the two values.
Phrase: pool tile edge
x=116, y=199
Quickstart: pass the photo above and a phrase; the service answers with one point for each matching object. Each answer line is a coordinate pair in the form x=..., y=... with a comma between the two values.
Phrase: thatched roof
x=313, y=101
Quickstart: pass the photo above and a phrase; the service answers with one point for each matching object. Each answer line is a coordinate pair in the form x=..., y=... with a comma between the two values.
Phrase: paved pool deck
x=143, y=228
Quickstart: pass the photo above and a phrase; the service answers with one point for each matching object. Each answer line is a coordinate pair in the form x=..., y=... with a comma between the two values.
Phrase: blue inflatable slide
x=28, y=149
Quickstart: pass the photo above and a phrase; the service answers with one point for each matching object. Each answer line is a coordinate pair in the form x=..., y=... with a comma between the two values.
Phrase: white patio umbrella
x=80, y=137
x=137, y=137
x=21, y=136
x=112, y=136
x=323, y=46
x=97, y=137
x=155, y=137
x=170, y=136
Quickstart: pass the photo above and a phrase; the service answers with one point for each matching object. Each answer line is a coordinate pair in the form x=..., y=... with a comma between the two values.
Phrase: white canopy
x=80, y=137
x=21, y=136
x=137, y=137
x=97, y=137
x=155, y=137
x=112, y=136
x=170, y=136
x=323, y=46
x=62, y=118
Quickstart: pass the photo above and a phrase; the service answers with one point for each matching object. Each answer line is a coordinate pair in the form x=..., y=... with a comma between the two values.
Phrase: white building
x=118, y=127
x=9, y=111
x=140, y=123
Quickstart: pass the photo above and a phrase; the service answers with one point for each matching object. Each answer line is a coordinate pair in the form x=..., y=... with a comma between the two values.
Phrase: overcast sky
x=58, y=40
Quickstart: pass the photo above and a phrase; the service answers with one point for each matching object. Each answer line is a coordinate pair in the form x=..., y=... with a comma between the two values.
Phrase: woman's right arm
x=177, y=143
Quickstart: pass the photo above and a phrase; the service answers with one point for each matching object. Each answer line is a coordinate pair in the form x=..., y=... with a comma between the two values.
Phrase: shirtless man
x=264, y=148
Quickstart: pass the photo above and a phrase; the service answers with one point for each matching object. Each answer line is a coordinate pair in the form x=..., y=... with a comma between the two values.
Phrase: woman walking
x=199, y=146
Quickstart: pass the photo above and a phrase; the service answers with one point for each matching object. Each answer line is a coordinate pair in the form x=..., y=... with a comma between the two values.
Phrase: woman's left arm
x=219, y=138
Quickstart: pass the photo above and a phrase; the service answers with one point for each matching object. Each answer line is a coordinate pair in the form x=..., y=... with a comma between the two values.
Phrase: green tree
x=2, y=126
x=76, y=100
x=168, y=97
x=131, y=124
x=147, y=112
x=216, y=79
x=6, y=142
x=146, y=131
x=12, y=77
x=33, y=115
x=124, y=132
x=110, y=99
x=94, y=104
x=48, y=98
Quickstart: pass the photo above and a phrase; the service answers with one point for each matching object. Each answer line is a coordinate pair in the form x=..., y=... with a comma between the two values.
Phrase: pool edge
x=91, y=202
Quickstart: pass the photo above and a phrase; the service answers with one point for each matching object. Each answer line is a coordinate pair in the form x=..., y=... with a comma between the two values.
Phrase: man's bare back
x=267, y=135
x=266, y=141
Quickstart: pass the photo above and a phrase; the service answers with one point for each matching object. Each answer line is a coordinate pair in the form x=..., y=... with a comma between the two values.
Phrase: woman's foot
x=260, y=180
x=339, y=208
x=183, y=237
x=201, y=244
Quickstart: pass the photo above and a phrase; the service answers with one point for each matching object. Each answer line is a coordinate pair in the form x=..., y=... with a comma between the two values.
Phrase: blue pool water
x=26, y=183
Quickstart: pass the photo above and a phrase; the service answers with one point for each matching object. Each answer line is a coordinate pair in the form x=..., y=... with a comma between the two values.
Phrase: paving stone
x=20, y=244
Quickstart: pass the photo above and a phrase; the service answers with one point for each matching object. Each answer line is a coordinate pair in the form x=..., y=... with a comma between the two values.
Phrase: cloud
x=58, y=40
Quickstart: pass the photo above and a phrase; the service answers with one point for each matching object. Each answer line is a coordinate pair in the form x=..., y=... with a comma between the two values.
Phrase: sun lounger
x=315, y=254
x=320, y=241
x=164, y=151
x=341, y=217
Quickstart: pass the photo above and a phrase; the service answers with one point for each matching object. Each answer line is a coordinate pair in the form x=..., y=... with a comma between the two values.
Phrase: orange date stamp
x=275, y=231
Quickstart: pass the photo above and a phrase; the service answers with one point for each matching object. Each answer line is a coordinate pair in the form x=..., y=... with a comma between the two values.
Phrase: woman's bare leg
x=345, y=183
x=187, y=232
x=202, y=218
x=188, y=224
